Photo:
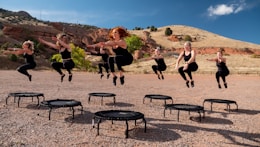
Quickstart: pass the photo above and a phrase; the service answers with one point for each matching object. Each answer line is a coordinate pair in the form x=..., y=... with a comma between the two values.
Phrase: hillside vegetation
x=15, y=27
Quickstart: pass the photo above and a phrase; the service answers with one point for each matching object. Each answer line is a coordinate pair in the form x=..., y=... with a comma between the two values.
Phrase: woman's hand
x=185, y=67
x=176, y=66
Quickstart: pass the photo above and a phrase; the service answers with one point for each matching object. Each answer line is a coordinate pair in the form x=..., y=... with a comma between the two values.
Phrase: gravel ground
x=28, y=125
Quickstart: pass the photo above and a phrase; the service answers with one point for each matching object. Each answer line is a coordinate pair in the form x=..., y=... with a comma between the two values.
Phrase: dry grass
x=237, y=64
x=205, y=38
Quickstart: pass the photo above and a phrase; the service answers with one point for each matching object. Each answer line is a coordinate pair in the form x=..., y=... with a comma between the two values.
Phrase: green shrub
x=153, y=29
x=13, y=57
x=168, y=32
x=133, y=43
x=187, y=38
x=255, y=56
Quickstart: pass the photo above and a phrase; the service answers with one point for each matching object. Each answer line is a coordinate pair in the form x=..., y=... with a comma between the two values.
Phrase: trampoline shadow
x=36, y=107
x=246, y=111
x=120, y=104
x=211, y=120
x=152, y=134
x=224, y=113
x=228, y=134
x=84, y=118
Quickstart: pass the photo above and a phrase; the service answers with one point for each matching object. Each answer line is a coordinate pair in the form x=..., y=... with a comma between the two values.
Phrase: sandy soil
x=28, y=125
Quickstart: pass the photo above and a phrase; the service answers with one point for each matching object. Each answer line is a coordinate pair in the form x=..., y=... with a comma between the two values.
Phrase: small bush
x=13, y=57
x=255, y=56
x=187, y=38
x=168, y=32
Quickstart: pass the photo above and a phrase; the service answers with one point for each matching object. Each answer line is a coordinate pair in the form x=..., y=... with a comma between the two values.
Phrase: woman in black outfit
x=161, y=66
x=28, y=52
x=190, y=65
x=122, y=57
x=104, y=55
x=62, y=44
x=222, y=67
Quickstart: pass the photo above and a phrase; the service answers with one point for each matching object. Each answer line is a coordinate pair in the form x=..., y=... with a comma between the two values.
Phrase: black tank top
x=221, y=66
x=28, y=58
x=160, y=62
x=65, y=54
x=121, y=51
x=187, y=57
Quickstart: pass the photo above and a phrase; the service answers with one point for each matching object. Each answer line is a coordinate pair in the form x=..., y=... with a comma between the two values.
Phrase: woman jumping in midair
x=104, y=55
x=190, y=65
x=28, y=52
x=161, y=66
x=122, y=57
x=222, y=68
x=62, y=44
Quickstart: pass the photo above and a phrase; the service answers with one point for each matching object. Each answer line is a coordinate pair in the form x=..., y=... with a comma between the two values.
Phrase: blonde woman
x=27, y=51
x=62, y=45
x=222, y=67
x=122, y=57
x=190, y=65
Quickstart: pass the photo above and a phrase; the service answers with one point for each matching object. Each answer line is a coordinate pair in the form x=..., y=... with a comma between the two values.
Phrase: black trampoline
x=59, y=103
x=158, y=97
x=102, y=95
x=223, y=101
x=185, y=107
x=118, y=115
x=20, y=95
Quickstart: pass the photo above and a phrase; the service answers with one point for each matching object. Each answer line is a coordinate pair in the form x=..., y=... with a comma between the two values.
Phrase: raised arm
x=120, y=43
x=16, y=51
x=61, y=43
x=212, y=59
x=50, y=44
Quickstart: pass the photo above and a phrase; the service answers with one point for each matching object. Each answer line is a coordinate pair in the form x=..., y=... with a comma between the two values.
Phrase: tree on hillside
x=133, y=43
x=153, y=29
x=168, y=32
x=187, y=38
x=138, y=28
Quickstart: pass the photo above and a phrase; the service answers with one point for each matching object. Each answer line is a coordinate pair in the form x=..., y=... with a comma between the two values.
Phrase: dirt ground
x=28, y=125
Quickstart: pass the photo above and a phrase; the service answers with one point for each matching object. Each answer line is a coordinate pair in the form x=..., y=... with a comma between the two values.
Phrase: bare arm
x=213, y=59
x=179, y=59
x=120, y=43
x=16, y=51
x=62, y=43
x=157, y=57
x=50, y=44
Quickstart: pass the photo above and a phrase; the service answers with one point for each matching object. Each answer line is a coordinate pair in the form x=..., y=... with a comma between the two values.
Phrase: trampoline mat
x=61, y=103
x=186, y=107
x=219, y=101
x=25, y=94
x=119, y=115
x=157, y=96
x=102, y=94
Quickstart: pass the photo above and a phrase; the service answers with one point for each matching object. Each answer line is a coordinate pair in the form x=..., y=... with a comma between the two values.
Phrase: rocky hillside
x=16, y=27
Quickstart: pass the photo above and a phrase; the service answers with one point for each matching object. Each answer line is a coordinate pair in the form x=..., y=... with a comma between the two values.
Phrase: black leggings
x=23, y=68
x=222, y=75
x=68, y=65
x=158, y=68
x=120, y=61
x=105, y=65
x=192, y=67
